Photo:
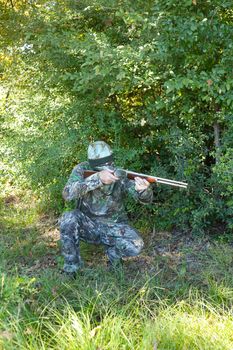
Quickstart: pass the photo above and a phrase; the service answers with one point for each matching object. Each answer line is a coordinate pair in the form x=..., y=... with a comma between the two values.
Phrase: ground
x=177, y=294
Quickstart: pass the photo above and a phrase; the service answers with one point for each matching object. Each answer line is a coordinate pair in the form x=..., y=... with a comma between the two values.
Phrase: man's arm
x=77, y=186
x=139, y=189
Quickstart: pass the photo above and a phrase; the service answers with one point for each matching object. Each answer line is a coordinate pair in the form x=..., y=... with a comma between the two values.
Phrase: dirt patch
x=45, y=262
x=49, y=227
x=11, y=200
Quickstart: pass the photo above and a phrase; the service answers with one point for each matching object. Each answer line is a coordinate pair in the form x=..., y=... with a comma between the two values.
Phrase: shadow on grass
x=24, y=245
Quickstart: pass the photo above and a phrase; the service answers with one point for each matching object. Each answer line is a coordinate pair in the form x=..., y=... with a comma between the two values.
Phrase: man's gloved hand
x=107, y=177
x=141, y=184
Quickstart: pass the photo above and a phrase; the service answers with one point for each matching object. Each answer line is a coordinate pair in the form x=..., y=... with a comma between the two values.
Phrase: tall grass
x=104, y=324
x=163, y=307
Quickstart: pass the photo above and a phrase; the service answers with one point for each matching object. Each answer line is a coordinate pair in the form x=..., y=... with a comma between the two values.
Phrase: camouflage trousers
x=119, y=239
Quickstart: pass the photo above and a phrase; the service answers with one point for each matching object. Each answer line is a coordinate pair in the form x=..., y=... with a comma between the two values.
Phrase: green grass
x=177, y=295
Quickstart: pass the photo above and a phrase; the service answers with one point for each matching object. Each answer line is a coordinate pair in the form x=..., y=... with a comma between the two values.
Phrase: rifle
x=121, y=173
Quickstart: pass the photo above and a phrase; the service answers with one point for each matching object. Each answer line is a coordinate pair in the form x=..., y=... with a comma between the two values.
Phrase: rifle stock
x=131, y=175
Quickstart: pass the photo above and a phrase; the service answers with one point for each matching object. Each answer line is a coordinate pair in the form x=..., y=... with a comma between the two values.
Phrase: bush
x=151, y=79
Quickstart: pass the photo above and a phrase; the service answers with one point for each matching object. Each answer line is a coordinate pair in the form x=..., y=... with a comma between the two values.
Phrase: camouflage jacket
x=99, y=201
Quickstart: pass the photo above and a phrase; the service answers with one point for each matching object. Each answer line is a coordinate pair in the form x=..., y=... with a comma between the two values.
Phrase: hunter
x=100, y=217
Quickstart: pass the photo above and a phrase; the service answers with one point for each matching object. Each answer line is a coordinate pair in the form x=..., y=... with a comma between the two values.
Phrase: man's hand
x=141, y=184
x=107, y=177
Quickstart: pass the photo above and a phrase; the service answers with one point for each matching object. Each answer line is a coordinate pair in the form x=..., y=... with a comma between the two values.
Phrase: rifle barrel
x=157, y=179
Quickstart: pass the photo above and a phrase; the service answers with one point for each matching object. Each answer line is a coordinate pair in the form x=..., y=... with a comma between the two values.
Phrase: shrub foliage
x=154, y=79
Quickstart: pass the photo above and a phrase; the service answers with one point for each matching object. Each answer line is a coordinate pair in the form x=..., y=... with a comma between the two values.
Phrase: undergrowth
x=177, y=295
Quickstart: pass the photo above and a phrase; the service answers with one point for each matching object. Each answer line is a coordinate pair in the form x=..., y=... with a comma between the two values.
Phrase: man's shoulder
x=77, y=172
x=81, y=166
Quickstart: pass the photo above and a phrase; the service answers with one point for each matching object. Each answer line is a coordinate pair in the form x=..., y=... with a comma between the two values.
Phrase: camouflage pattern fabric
x=100, y=217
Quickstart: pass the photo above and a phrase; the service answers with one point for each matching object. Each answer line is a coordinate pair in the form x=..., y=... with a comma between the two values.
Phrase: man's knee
x=131, y=247
x=138, y=246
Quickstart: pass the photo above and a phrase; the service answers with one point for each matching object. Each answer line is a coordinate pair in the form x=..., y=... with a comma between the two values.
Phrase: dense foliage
x=154, y=79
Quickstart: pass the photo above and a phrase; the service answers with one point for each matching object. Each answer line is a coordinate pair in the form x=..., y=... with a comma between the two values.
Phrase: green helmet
x=99, y=154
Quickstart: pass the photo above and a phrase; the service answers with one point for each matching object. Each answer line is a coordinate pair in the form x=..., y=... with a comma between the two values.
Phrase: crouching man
x=100, y=217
